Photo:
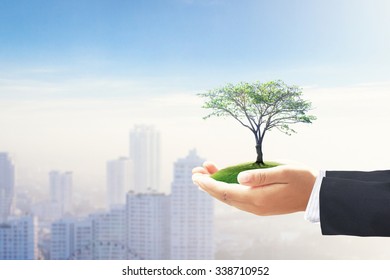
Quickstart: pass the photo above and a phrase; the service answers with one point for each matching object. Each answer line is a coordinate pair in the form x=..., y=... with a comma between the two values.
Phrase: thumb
x=261, y=177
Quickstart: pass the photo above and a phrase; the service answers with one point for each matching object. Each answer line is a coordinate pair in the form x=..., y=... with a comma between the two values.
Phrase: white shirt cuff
x=312, y=213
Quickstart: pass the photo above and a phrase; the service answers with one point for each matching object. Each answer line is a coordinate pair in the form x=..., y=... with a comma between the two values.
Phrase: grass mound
x=229, y=174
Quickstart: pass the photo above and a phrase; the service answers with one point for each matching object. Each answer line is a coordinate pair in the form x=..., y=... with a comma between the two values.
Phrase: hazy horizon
x=82, y=136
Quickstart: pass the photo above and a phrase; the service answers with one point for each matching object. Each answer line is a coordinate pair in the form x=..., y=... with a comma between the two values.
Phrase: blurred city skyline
x=138, y=222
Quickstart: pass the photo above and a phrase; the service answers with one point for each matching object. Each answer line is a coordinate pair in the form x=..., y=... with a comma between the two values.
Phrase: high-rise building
x=7, y=184
x=144, y=153
x=71, y=239
x=192, y=214
x=62, y=239
x=18, y=238
x=100, y=236
x=147, y=226
x=109, y=234
x=83, y=240
x=119, y=176
x=61, y=192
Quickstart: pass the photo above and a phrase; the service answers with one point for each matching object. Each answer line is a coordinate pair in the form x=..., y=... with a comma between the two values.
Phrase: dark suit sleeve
x=370, y=176
x=355, y=203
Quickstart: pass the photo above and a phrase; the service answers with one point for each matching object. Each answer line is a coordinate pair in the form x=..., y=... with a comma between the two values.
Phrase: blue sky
x=196, y=44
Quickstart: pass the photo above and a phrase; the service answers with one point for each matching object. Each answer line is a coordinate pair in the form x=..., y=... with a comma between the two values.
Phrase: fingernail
x=243, y=177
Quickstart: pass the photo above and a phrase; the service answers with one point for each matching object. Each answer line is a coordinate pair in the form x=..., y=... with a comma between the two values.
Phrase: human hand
x=278, y=190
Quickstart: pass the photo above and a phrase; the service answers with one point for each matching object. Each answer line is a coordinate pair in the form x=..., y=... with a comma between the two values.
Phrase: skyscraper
x=144, y=153
x=7, y=184
x=61, y=192
x=192, y=214
x=18, y=239
x=119, y=176
x=147, y=226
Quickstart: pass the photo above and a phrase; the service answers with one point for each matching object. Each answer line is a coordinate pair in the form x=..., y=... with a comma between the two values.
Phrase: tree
x=260, y=107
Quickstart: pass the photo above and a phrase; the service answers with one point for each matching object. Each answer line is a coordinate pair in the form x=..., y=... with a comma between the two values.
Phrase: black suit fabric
x=355, y=203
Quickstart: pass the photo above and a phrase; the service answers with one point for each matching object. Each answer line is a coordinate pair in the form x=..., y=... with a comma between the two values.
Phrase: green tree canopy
x=260, y=107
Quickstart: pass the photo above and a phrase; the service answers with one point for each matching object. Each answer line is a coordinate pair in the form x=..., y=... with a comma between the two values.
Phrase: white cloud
x=85, y=88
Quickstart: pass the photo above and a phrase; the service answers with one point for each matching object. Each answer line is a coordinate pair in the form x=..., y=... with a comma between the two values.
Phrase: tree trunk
x=259, y=151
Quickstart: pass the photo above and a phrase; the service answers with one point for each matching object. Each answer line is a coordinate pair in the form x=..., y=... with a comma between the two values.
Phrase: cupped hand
x=279, y=190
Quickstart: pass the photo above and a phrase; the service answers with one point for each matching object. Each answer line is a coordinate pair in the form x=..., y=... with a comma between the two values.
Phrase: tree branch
x=236, y=118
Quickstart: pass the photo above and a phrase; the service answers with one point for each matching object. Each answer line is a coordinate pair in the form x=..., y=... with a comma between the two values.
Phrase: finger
x=263, y=177
x=200, y=170
x=210, y=167
x=228, y=193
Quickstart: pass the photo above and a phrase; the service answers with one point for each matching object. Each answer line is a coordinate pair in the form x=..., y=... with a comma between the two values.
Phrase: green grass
x=229, y=174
